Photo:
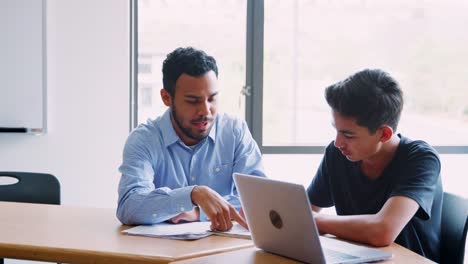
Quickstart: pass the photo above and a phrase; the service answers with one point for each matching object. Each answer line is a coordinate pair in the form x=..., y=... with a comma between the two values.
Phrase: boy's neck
x=374, y=167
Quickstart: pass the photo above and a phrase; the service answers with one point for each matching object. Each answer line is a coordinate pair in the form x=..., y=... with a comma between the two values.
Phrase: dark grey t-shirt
x=414, y=172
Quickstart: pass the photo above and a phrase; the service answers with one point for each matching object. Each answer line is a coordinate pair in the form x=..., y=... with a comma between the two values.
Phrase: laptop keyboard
x=335, y=256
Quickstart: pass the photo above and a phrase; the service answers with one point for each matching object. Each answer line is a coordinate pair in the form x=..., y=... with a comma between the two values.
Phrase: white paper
x=185, y=231
x=167, y=230
x=236, y=231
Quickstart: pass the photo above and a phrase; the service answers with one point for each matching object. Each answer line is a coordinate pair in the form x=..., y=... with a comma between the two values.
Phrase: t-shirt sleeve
x=319, y=189
x=421, y=177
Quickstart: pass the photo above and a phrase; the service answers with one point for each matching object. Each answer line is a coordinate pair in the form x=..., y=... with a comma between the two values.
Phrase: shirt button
x=193, y=178
x=217, y=169
x=182, y=209
x=154, y=215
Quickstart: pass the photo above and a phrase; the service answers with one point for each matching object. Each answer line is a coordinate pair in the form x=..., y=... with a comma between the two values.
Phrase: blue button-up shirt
x=159, y=171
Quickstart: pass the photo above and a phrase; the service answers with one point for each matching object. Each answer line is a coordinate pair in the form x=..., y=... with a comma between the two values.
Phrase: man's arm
x=247, y=156
x=220, y=210
x=139, y=201
x=247, y=160
x=142, y=205
x=379, y=229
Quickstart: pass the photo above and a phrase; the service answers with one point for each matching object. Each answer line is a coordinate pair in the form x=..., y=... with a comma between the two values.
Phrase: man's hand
x=241, y=213
x=216, y=208
x=191, y=216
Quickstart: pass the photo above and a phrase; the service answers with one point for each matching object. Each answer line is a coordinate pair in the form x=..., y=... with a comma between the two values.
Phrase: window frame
x=253, y=89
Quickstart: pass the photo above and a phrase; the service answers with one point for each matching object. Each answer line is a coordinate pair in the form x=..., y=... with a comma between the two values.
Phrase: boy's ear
x=166, y=97
x=387, y=133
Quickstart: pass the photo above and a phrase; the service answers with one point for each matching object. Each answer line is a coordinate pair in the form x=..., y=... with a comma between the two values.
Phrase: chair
x=30, y=188
x=454, y=227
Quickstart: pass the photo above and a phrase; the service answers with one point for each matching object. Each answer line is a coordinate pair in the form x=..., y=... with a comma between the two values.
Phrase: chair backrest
x=454, y=227
x=30, y=188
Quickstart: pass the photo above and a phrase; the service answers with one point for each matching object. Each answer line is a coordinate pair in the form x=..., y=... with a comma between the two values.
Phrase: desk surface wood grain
x=91, y=235
x=257, y=256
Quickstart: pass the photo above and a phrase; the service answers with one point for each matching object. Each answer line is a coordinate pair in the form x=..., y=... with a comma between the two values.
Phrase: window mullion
x=254, y=68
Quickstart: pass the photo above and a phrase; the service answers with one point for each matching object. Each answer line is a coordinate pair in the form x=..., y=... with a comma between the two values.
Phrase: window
x=146, y=95
x=283, y=53
x=217, y=27
x=316, y=43
x=144, y=68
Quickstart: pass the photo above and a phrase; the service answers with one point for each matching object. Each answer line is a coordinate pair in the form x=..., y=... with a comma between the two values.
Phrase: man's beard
x=187, y=132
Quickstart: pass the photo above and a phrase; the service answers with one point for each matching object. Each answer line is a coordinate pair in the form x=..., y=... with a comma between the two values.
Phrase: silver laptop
x=281, y=222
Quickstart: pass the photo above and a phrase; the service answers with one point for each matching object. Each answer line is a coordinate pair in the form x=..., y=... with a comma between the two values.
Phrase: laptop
x=281, y=222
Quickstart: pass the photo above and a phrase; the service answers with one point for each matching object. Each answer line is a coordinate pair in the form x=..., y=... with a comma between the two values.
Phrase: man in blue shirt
x=179, y=166
x=385, y=187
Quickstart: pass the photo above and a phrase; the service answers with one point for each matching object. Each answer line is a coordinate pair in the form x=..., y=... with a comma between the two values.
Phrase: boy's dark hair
x=188, y=60
x=372, y=97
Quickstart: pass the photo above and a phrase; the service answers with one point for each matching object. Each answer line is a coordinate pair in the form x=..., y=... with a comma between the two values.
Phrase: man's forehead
x=199, y=95
x=187, y=83
x=208, y=76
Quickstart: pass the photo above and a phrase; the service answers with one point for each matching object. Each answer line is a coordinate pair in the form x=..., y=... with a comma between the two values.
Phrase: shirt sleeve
x=247, y=159
x=319, y=189
x=247, y=156
x=421, y=177
x=139, y=201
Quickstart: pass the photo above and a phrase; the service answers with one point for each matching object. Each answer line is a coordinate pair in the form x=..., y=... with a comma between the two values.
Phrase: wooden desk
x=257, y=256
x=91, y=235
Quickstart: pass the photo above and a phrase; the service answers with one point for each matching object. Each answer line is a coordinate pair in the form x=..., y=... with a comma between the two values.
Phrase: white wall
x=88, y=98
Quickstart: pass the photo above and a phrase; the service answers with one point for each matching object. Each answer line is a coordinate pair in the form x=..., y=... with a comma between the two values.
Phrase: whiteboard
x=22, y=66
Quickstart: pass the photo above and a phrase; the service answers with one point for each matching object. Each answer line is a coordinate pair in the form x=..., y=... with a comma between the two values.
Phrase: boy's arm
x=315, y=208
x=379, y=229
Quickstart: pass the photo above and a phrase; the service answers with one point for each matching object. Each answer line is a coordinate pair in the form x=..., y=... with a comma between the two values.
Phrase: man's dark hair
x=188, y=60
x=372, y=97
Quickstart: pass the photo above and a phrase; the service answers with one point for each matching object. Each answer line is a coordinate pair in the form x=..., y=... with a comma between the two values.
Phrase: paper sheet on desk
x=236, y=231
x=186, y=231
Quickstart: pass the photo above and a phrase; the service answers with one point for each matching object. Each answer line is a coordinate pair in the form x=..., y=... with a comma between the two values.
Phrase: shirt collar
x=212, y=134
x=169, y=134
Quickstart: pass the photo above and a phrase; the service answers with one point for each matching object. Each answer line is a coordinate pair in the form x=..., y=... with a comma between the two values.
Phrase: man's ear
x=387, y=133
x=166, y=97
